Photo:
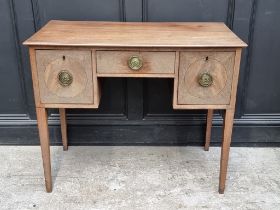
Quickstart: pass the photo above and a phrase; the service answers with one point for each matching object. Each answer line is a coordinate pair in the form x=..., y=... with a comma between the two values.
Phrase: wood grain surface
x=209, y=120
x=42, y=119
x=181, y=51
x=78, y=63
x=116, y=62
x=63, y=127
x=219, y=65
x=128, y=34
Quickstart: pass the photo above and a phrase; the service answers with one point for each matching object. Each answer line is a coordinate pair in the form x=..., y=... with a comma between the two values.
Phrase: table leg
x=208, y=129
x=63, y=125
x=228, y=124
x=42, y=120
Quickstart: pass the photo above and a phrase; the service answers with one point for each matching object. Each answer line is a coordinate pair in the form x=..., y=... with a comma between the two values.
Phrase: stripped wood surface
x=128, y=34
x=89, y=50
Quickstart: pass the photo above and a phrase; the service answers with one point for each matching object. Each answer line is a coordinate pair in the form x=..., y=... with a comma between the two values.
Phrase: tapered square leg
x=228, y=125
x=63, y=125
x=208, y=129
x=42, y=120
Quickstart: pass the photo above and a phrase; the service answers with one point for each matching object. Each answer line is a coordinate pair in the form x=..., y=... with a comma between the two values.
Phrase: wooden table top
x=135, y=34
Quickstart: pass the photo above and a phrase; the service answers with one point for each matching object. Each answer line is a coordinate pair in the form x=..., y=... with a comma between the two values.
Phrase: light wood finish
x=199, y=106
x=116, y=62
x=227, y=132
x=42, y=120
x=91, y=50
x=235, y=77
x=96, y=83
x=35, y=80
x=175, y=86
x=219, y=65
x=208, y=129
x=150, y=49
x=78, y=63
x=228, y=125
x=137, y=75
x=117, y=34
x=63, y=125
x=71, y=106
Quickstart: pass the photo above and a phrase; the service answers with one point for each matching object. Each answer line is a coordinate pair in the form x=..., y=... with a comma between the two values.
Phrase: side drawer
x=134, y=62
x=65, y=76
x=205, y=77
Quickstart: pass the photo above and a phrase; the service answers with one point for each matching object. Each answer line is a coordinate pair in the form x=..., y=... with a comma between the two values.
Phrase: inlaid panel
x=205, y=77
x=65, y=76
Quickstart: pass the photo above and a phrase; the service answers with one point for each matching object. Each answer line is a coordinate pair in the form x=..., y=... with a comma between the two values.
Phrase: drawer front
x=135, y=62
x=205, y=77
x=65, y=76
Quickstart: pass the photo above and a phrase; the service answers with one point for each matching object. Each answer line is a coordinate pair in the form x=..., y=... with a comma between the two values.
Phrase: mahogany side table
x=68, y=58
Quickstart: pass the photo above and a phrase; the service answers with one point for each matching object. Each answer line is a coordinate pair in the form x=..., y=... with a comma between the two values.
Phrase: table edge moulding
x=68, y=58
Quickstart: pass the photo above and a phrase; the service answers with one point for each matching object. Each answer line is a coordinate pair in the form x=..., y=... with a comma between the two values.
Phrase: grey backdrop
x=139, y=111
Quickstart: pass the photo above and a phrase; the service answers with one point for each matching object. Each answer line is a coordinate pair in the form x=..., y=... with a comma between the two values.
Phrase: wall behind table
x=139, y=111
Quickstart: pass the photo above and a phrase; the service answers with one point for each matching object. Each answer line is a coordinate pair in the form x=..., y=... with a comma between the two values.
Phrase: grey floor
x=131, y=178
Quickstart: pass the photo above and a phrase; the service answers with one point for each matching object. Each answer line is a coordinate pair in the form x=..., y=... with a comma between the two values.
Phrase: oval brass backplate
x=65, y=78
x=135, y=63
x=205, y=80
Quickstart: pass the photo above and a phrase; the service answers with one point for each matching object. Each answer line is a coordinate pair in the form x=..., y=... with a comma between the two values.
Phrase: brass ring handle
x=65, y=78
x=205, y=80
x=135, y=63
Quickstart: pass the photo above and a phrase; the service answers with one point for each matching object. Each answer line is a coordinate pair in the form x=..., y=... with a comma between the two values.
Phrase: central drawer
x=135, y=62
